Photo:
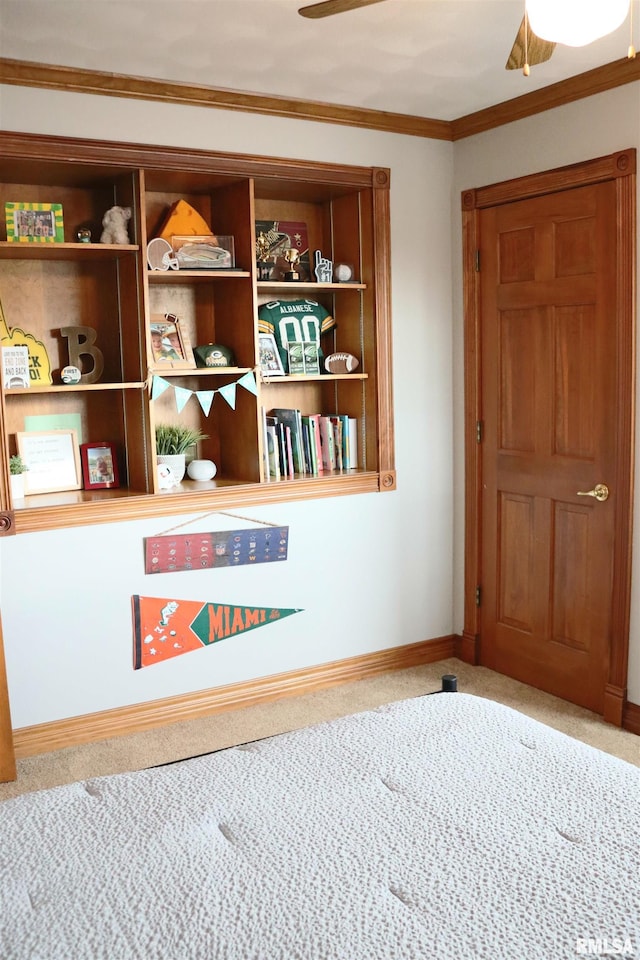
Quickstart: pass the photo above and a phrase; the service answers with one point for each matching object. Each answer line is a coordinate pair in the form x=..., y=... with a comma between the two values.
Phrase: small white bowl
x=202, y=470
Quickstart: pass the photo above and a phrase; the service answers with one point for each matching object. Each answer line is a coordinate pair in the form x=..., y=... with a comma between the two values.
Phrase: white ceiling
x=440, y=59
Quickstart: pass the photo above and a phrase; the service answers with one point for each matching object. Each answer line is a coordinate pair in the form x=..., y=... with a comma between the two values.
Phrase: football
x=341, y=363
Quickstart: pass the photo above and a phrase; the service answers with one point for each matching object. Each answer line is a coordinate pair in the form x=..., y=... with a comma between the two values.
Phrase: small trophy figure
x=292, y=257
x=263, y=263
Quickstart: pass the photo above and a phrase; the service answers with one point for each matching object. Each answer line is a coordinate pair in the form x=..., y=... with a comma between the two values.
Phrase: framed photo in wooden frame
x=99, y=465
x=170, y=345
x=270, y=360
x=53, y=461
x=34, y=222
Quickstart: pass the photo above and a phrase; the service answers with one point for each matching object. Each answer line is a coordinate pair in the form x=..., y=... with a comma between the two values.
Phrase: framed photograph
x=99, y=465
x=53, y=461
x=34, y=222
x=270, y=361
x=170, y=346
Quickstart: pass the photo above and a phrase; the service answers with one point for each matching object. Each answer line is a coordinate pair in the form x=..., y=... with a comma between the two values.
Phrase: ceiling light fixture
x=575, y=22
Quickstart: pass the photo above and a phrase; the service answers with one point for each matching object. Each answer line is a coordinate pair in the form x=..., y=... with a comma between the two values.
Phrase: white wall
x=589, y=128
x=370, y=571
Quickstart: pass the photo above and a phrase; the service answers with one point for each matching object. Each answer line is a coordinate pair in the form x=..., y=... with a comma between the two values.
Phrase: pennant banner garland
x=225, y=548
x=205, y=397
x=168, y=628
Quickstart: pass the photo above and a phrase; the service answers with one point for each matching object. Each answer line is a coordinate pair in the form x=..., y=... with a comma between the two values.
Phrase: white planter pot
x=17, y=486
x=177, y=463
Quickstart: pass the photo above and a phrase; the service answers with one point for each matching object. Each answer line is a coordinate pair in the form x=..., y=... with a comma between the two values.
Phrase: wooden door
x=549, y=389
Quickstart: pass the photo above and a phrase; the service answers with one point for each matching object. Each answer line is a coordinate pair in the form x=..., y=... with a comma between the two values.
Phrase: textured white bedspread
x=440, y=827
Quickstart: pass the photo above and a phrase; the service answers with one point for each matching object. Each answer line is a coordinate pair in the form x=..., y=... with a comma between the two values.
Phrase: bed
x=440, y=827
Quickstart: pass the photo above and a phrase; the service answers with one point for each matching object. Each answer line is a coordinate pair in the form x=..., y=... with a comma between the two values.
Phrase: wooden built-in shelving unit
x=46, y=286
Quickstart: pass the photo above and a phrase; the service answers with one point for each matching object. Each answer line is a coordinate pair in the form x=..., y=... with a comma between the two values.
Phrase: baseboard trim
x=44, y=737
x=466, y=646
x=631, y=717
x=613, y=707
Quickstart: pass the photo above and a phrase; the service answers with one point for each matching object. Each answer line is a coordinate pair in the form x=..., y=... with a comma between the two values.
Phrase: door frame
x=620, y=167
x=7, y=752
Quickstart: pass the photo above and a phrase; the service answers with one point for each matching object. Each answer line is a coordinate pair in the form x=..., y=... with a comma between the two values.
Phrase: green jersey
x=294, y=320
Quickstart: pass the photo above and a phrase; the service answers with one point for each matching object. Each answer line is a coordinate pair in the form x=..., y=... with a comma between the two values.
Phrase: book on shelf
x=345, y=431
x=352, y=443
x=292, y=418
x=273, y=447
x=327, y=443
x=337, y=424
x=310, y=444
x=290, y=470
x=309, y=441
x=314, y=425
x=282, y=449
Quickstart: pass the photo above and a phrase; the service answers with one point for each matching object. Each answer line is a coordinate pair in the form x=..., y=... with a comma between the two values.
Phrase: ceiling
x=440, y=59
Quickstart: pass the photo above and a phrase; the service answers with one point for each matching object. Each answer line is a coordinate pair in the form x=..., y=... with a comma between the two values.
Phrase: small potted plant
x=17, y=467
x=172, y=442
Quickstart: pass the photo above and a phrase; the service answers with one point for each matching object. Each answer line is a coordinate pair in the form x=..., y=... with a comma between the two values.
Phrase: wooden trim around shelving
x=42, y=738
x=88, y=511
x=27, y=73
x=156, y=157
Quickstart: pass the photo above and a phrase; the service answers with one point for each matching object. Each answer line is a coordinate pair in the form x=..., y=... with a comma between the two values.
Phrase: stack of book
x=297, y=445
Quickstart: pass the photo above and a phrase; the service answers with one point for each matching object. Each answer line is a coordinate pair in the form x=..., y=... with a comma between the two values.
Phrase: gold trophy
x=263, y=263
x=292, y=256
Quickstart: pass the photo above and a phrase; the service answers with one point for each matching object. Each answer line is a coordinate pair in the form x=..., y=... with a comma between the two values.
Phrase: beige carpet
x=181, y=740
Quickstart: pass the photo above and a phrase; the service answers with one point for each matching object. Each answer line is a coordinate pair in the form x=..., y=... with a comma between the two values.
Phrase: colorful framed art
x=34, y=222
x=99, y=466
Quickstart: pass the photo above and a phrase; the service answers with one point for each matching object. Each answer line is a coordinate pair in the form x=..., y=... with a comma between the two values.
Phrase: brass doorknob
x=600, y=492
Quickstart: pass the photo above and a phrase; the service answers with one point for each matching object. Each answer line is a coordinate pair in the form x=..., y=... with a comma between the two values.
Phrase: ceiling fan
x=528, y=49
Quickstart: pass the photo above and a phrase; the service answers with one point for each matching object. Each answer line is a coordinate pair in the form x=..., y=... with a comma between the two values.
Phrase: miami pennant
x=165, y=628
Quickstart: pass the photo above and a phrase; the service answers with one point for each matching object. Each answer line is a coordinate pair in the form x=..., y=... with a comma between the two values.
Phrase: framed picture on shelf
x=270, y=361
x=34, y=222
x=99, y=465
x=53, y=461
x=170, y=344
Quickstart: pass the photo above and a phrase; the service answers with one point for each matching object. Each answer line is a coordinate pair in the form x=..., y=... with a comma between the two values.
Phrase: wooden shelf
x=311, y=378
x=74, y=388
x=195, y=276
x=10, y=250
x=292, y=286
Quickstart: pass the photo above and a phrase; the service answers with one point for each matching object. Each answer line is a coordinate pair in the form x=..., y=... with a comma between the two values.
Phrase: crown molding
x=26, y=73
x=583, y=85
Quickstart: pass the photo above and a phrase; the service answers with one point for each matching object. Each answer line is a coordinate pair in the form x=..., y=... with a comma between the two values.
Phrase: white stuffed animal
x=115, y=225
